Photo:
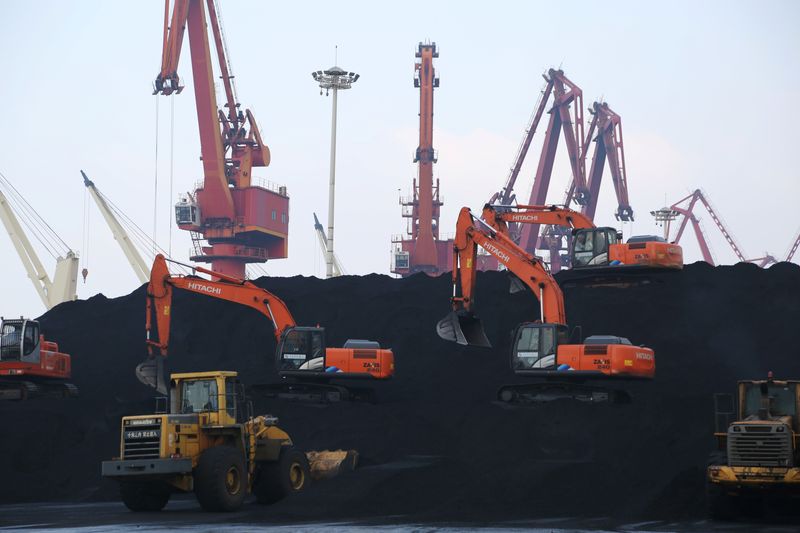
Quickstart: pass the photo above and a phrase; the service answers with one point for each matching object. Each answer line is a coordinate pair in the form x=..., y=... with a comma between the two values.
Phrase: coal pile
x=436, y=446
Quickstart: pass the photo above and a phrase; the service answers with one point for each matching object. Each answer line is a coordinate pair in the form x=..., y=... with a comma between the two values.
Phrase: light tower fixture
x=329, y=80
x=664, y=217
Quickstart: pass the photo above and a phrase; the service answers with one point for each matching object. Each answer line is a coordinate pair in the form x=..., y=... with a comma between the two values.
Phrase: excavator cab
x=19, y=341
x=590, y=246
x=301, y=349
x=535, y=347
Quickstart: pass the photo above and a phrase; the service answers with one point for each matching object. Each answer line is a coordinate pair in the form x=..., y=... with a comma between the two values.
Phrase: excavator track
x=313, y=392
x=543, y=392
x=28, y=390
x=620, y=277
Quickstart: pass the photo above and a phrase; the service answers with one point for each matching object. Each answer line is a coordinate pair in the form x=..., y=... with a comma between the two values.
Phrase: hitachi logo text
x=491, y=248
x=525, y=218
x=204, y=288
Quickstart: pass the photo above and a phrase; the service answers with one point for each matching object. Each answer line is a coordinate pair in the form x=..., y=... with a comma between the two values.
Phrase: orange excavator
x=591, y=246
x=301, y=358
x=541, y=349
x=31, y=366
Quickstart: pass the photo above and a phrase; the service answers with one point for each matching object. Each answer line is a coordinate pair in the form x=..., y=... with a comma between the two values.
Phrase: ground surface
x=184, y=515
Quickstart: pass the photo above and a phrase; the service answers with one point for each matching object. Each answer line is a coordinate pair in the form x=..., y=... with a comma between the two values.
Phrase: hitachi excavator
x=302, y=360
x=591, y=246
x=540, y=349
x=31, y=366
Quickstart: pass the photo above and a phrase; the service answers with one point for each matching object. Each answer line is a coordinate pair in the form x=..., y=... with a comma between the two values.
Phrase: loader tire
x=220, y=479
x=276, y=480
x=143, y=496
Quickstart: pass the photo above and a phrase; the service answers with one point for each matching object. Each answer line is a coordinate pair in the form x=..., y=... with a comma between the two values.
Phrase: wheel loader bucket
x=326, y=464
x=465, y=329
x=151, y=373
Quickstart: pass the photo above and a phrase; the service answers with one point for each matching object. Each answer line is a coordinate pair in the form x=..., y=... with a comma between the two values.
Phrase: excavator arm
x=461, y=325
x=159, y=310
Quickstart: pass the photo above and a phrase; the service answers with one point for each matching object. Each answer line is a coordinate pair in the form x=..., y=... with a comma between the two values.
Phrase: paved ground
x=183, y=514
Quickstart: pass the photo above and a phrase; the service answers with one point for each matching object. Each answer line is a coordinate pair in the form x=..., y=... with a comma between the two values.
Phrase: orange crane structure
x=685, y=207
x=301, y=356
x=242, y=221
x=566, y=117
x=541, y=348
x=423, y=251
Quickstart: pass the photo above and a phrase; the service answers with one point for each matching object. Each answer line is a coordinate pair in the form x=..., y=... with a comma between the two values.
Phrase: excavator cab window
x=30, y=338
x=535, y=346
x=10, y=340
x=303, y=349
x=198, y=396
x=590, y=246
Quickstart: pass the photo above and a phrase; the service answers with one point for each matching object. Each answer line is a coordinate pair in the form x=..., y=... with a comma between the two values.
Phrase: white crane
x=63, y=286
x=338, y=270
x=140, y=268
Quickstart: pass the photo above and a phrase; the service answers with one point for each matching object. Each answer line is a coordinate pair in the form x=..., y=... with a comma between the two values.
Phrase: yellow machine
x=759, y=452
x=207, y=442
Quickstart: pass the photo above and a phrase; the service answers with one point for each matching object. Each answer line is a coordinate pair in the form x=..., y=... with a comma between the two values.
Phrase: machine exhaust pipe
x=151, y=373
x=463, y=328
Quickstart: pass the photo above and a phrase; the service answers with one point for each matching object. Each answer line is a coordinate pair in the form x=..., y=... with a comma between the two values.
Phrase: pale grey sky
x=707, y=92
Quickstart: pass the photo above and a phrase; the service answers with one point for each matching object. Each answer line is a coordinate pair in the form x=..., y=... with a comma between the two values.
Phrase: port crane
x=241, y=219
x=423, y=250
x=566, y=116
x=52, y=291
x=686, y=206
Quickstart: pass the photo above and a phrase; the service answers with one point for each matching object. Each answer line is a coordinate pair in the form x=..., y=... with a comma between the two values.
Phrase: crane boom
x=120, y=235
x=64, y=285
x=323, y=244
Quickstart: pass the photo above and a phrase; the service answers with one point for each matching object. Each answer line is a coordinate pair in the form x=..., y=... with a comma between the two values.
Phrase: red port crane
x=605, y=130
x=686, y=206
x=423, y=251
x=241, y=221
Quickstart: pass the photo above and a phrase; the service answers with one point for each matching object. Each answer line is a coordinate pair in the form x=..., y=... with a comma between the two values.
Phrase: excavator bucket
x=465, y=329
x=151, y=373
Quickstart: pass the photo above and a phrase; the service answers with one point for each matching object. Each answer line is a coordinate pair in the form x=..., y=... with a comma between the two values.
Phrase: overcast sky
x=707, y=91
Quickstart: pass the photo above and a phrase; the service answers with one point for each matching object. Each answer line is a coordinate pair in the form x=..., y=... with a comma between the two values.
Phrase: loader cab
x=535, y=347
x=20, y=341
x=769, y=399
x=218, y=395
x=302, y=349
x=590, y=246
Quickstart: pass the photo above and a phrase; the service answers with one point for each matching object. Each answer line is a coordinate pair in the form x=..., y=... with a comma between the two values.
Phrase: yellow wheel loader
x=759, y=451
x=207, y=442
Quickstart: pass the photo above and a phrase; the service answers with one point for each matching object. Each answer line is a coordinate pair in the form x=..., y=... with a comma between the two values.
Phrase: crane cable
x=170, y=218
x=155, y=183
x=35, y=224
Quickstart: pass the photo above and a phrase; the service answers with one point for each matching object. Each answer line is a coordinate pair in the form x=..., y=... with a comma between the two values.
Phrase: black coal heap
x=436, y=446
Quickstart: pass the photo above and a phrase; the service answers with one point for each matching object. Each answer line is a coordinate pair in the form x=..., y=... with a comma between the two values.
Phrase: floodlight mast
x=333, y=79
